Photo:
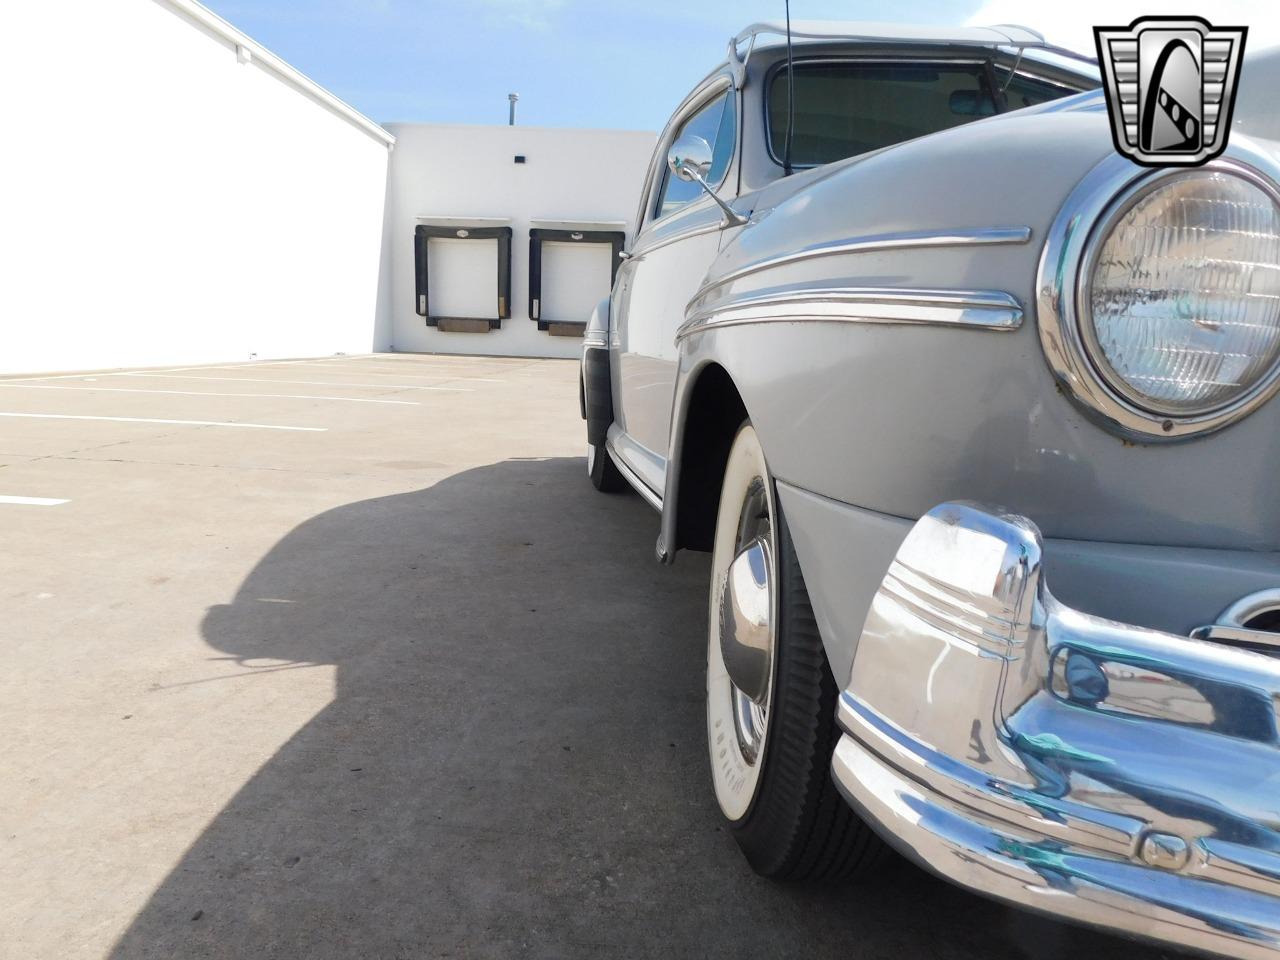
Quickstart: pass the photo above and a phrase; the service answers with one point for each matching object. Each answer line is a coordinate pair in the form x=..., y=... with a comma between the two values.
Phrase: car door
x=679, y=236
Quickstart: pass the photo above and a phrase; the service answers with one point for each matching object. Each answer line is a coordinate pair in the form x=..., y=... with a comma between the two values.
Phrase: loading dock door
x=462, y=275
x=570, y=271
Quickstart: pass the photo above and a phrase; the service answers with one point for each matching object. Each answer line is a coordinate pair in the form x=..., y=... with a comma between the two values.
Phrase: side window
x=717, y=123
x=852, y=107
x=847, y=108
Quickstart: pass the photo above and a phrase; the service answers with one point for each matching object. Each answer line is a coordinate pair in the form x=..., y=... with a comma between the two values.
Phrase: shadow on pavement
x=513, y=761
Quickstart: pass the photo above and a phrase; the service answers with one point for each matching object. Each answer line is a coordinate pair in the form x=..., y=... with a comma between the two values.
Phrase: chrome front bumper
x=1108, y=774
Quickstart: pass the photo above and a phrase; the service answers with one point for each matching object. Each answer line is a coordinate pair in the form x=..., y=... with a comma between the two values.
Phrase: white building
x=518, y=178
x=174, y=193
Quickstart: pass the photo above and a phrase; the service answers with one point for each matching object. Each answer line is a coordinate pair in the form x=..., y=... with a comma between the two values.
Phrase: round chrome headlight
x=1181, y=299
x=1160, y=295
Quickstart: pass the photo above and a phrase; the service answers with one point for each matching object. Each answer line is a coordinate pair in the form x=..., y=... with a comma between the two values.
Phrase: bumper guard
x=1098, y=772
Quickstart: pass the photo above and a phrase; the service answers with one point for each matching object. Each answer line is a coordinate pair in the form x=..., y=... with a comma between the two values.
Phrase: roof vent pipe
x=511, y=114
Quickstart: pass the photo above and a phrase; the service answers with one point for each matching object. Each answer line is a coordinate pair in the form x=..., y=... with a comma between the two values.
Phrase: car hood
x=1257, y=113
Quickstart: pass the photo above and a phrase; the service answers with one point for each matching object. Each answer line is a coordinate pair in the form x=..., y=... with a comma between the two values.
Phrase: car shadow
x=513, y=762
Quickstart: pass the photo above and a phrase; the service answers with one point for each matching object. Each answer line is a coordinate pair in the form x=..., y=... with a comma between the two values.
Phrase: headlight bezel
x=1071, y=250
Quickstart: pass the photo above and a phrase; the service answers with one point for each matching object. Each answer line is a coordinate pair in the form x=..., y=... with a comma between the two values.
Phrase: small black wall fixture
x=538, y=236
x=422, y=236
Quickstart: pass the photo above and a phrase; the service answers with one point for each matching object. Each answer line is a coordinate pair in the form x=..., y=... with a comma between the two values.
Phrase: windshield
x=844, y=108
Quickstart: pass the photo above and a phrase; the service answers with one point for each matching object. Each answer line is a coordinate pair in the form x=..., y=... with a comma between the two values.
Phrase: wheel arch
x=708, y=411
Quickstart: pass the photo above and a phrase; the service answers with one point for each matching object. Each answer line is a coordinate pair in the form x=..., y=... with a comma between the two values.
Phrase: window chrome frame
x=1063, y=278
x=1032, y=74
x=706, y=92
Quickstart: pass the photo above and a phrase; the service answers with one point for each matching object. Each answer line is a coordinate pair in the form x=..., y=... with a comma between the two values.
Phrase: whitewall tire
x=734, y=728
x=771, y=698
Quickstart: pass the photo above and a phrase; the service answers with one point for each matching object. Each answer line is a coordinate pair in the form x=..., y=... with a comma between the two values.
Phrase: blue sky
x=599, y=63
x=575, y=63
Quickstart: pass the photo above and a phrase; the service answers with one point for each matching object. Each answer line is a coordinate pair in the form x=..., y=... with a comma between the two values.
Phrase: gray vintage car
x=870, y=297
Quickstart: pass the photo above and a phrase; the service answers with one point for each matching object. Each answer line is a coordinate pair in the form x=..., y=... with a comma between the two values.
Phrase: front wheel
x=771, y=698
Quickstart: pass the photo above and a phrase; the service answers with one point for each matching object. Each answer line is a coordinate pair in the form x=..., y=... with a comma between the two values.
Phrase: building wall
x=469, y=171
x=163, y=202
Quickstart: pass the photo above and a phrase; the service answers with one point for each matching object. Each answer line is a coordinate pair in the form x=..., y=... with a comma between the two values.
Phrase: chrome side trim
x=1073, y=242
x=1100, y=772
x=875, y=242
x=981, y=309
x=714, y=227
x=632, y=477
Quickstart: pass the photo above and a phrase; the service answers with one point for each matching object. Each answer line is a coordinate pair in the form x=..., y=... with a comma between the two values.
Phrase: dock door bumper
x=1103, y=773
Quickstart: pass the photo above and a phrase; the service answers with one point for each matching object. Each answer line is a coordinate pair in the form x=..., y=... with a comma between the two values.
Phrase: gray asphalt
x=404, y=688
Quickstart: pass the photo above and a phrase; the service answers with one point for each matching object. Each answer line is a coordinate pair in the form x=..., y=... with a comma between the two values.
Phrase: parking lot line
x=306, y=383
x=203, y=393
x=456, y=359
x=50, y=376
x=414, y=376
x=128, y=372
x=207, y=366
x=191, y=423
x=356, y=362
x=426, y=364
x=33, y=501
x=352, y=361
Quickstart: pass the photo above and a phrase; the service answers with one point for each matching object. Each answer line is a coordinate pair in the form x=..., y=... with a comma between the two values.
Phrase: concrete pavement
x=291, y=673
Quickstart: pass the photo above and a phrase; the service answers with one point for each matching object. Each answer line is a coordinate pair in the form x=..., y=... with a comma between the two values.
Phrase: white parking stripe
x=351, y=366
x=60, y=376
x=441, y=371
x=446, y=361
x=33, y=501
x=191, y=423
x=131, y=371
x=215, y=366
x=463, y=359
x=306, y=383
x=270, y=363
x=202, y=393
x=411, y=376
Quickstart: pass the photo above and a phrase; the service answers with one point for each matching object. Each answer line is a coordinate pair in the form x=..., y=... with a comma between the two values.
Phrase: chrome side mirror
x=690, y=159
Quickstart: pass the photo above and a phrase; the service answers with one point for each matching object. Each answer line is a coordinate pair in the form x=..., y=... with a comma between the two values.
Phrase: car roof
x=767, y=36
x=770, y=35
x=873, y=32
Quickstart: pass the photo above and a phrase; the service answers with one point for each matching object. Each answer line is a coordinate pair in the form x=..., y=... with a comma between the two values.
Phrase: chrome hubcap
x=746, y=622
x=749, y=720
